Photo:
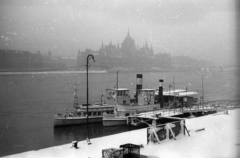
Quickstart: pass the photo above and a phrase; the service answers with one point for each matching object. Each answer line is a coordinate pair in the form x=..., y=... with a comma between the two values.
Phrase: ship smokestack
x=138, y=84
x=160, y=93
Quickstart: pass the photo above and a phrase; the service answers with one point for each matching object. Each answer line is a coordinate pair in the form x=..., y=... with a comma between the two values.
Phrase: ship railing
x=209, y=105
x=218, y=105
x=67, y=113
x=215, y=105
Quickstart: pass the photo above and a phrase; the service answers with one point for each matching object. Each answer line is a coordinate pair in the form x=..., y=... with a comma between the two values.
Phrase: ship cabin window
x=141, y=93
x=146, y=93
x=120, y=93
x=151, y=93
x=112, y=112
x=99, y=113
x=84, y=114
x=94, y=113
x=111, y=93
x=127, y=114
x=89, y=114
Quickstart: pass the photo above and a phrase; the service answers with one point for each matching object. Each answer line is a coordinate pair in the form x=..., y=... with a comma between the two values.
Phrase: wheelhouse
x=117, y=96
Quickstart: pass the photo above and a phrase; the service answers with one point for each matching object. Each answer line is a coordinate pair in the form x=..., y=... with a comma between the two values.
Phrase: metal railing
x=218, y=105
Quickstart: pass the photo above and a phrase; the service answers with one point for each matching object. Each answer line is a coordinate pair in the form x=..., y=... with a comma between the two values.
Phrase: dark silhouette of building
x=24, y=60
x=128, y=56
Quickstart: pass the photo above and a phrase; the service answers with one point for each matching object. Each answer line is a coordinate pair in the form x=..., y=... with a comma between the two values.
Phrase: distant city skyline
x=198, y=29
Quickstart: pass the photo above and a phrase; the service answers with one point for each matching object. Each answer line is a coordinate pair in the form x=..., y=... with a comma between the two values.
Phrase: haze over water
x=198, y=29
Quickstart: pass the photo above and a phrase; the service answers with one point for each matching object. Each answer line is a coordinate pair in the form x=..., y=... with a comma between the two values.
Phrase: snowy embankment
x=219, y=139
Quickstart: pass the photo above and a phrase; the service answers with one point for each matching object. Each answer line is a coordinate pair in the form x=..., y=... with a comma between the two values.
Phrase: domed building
x=125, y=55
x=128, y=46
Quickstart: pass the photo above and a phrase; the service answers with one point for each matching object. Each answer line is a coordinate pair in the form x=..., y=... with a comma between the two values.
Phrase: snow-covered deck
x=219, y=139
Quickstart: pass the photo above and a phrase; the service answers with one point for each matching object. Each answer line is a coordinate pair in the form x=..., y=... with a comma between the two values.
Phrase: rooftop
x=117, y=89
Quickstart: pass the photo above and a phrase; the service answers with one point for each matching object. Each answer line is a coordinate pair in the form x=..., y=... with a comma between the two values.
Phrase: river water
x=28, y=102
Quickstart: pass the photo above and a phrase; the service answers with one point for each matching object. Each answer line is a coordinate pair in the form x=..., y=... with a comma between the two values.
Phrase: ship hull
x=113, y=120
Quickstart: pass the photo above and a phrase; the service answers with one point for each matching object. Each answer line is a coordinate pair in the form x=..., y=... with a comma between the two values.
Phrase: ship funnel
x=160, y=93
x=139, y=84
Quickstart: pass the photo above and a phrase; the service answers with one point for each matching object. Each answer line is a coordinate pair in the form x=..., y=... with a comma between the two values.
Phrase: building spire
x=146, y=44
x=102, y=45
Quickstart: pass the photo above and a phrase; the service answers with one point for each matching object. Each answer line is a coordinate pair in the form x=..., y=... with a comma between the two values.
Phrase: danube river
x=28, y=102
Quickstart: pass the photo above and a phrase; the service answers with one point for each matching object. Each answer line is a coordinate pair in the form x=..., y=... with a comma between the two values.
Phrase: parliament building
x=126, y=56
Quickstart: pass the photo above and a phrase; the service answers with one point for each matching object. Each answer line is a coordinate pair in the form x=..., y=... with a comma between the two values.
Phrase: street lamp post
x=89, y=57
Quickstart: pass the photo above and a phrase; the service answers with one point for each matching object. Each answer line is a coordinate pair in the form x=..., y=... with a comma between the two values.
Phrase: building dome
x=128, y=45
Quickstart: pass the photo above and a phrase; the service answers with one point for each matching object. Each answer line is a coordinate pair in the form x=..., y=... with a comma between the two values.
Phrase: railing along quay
x=216, y=105
x=196, y=110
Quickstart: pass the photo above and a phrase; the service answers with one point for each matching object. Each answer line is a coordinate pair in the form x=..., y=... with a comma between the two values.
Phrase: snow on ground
x=218, y=140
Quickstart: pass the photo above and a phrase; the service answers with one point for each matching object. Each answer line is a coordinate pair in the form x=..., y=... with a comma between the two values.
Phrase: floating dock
x=197, y=110
x=177, y=113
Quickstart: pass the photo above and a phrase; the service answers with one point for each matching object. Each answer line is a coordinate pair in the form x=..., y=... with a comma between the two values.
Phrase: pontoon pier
x=195, y=110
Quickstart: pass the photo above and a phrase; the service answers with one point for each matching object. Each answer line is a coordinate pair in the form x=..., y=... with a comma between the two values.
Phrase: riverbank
x=114, y=70
x=49, y=72
x=219, y=139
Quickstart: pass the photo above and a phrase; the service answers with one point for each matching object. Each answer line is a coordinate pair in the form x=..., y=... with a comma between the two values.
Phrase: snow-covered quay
x=220, y=139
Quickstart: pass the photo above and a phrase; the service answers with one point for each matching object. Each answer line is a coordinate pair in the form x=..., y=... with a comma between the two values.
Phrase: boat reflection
x=67, y=134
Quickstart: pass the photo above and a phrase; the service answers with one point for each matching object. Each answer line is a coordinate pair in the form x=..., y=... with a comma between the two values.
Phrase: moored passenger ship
x=82, y=114
x=79, y=114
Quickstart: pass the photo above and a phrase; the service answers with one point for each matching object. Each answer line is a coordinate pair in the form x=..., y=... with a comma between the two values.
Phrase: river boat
x=146, y=102
x=78, y=115
x=125, y=108
x=178, y=98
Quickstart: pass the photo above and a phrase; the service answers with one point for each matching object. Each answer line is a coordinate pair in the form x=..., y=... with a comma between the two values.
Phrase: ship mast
x=75, y=96
x=117, y=88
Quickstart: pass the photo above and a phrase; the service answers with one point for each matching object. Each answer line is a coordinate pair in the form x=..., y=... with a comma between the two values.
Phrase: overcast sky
x=196, y=28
